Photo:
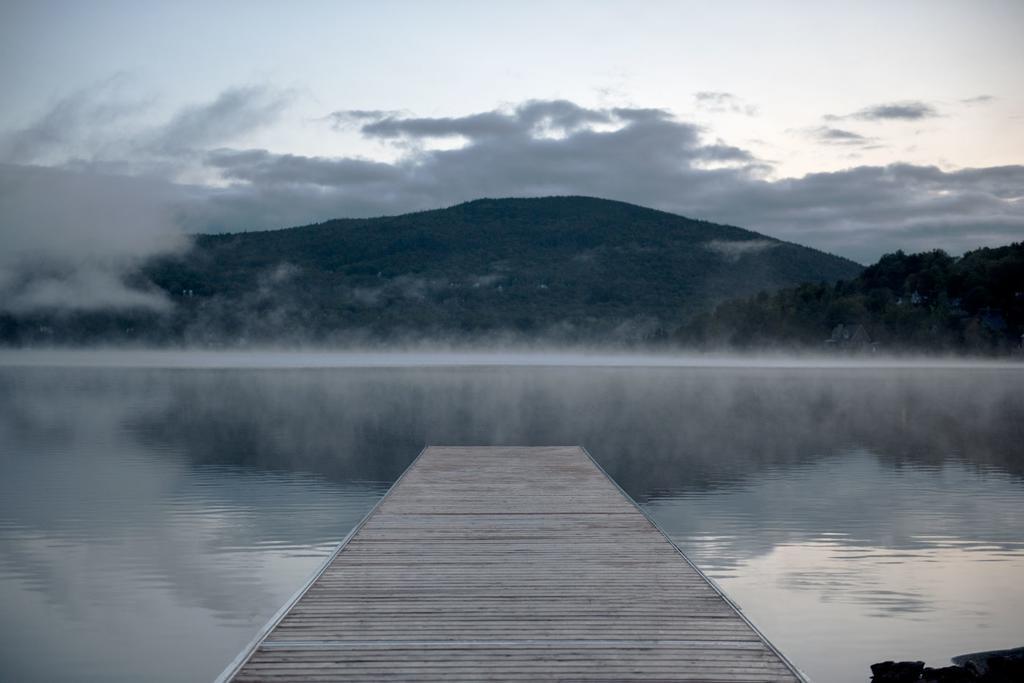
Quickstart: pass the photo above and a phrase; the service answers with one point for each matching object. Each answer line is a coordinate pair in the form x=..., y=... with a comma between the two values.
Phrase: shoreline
x=313, y=359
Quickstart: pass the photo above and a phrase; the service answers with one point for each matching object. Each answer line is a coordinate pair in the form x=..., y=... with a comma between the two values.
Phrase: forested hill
x=928, y=302
x=560, y=268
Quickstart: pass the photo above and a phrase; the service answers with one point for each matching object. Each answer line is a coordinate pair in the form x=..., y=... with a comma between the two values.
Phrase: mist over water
x=160, y=503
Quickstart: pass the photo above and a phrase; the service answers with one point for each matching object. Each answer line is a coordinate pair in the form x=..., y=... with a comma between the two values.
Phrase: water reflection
x=142, y=507
x=117, y=556
x=871, y=561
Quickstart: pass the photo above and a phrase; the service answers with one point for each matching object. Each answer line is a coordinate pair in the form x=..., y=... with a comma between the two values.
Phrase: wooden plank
x=518, y=564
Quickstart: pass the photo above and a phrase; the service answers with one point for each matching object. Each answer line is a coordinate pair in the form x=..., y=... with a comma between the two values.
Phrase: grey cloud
x=344, y=118
x=720, y=102
x=260, y=166
x=641, y=114
x=893, y=111
x=74, y=124
x=570, y=116
x=560, y=115
x=100, y=128
x=720, y=152
x=979, y=99
x=477, y=125
x=838, y=136
x=233, y=113
x=864, y=211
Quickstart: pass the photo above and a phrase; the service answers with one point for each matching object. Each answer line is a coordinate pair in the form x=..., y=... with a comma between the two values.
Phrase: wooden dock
x=517, y=564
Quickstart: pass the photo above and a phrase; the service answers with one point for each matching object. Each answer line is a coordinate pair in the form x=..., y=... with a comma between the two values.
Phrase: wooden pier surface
x=522, y=564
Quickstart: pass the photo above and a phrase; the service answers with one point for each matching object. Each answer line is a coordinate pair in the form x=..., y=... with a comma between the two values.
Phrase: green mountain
x=566, y=268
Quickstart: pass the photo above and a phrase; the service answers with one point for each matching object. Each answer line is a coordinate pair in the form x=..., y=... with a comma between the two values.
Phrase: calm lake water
x=157, y=509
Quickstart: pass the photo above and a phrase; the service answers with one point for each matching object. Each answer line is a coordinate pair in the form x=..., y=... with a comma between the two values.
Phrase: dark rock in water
x=896, y=672
x=1004, y=670
x=995, y=666
x=948, y=674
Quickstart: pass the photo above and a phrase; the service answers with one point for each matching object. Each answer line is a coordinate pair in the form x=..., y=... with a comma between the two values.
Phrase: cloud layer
x=646, y=156
x=85, y=193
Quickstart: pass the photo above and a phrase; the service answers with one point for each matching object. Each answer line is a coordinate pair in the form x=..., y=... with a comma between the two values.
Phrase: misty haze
x=459, y=341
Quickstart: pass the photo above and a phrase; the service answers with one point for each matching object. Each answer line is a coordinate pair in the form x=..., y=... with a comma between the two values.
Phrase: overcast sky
x=858, y=128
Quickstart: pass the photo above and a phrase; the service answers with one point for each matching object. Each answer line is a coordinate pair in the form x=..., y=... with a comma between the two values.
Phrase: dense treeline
x=915, y=302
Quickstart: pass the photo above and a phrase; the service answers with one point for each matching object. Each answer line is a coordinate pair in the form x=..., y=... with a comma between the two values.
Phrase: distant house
x=850, y=336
